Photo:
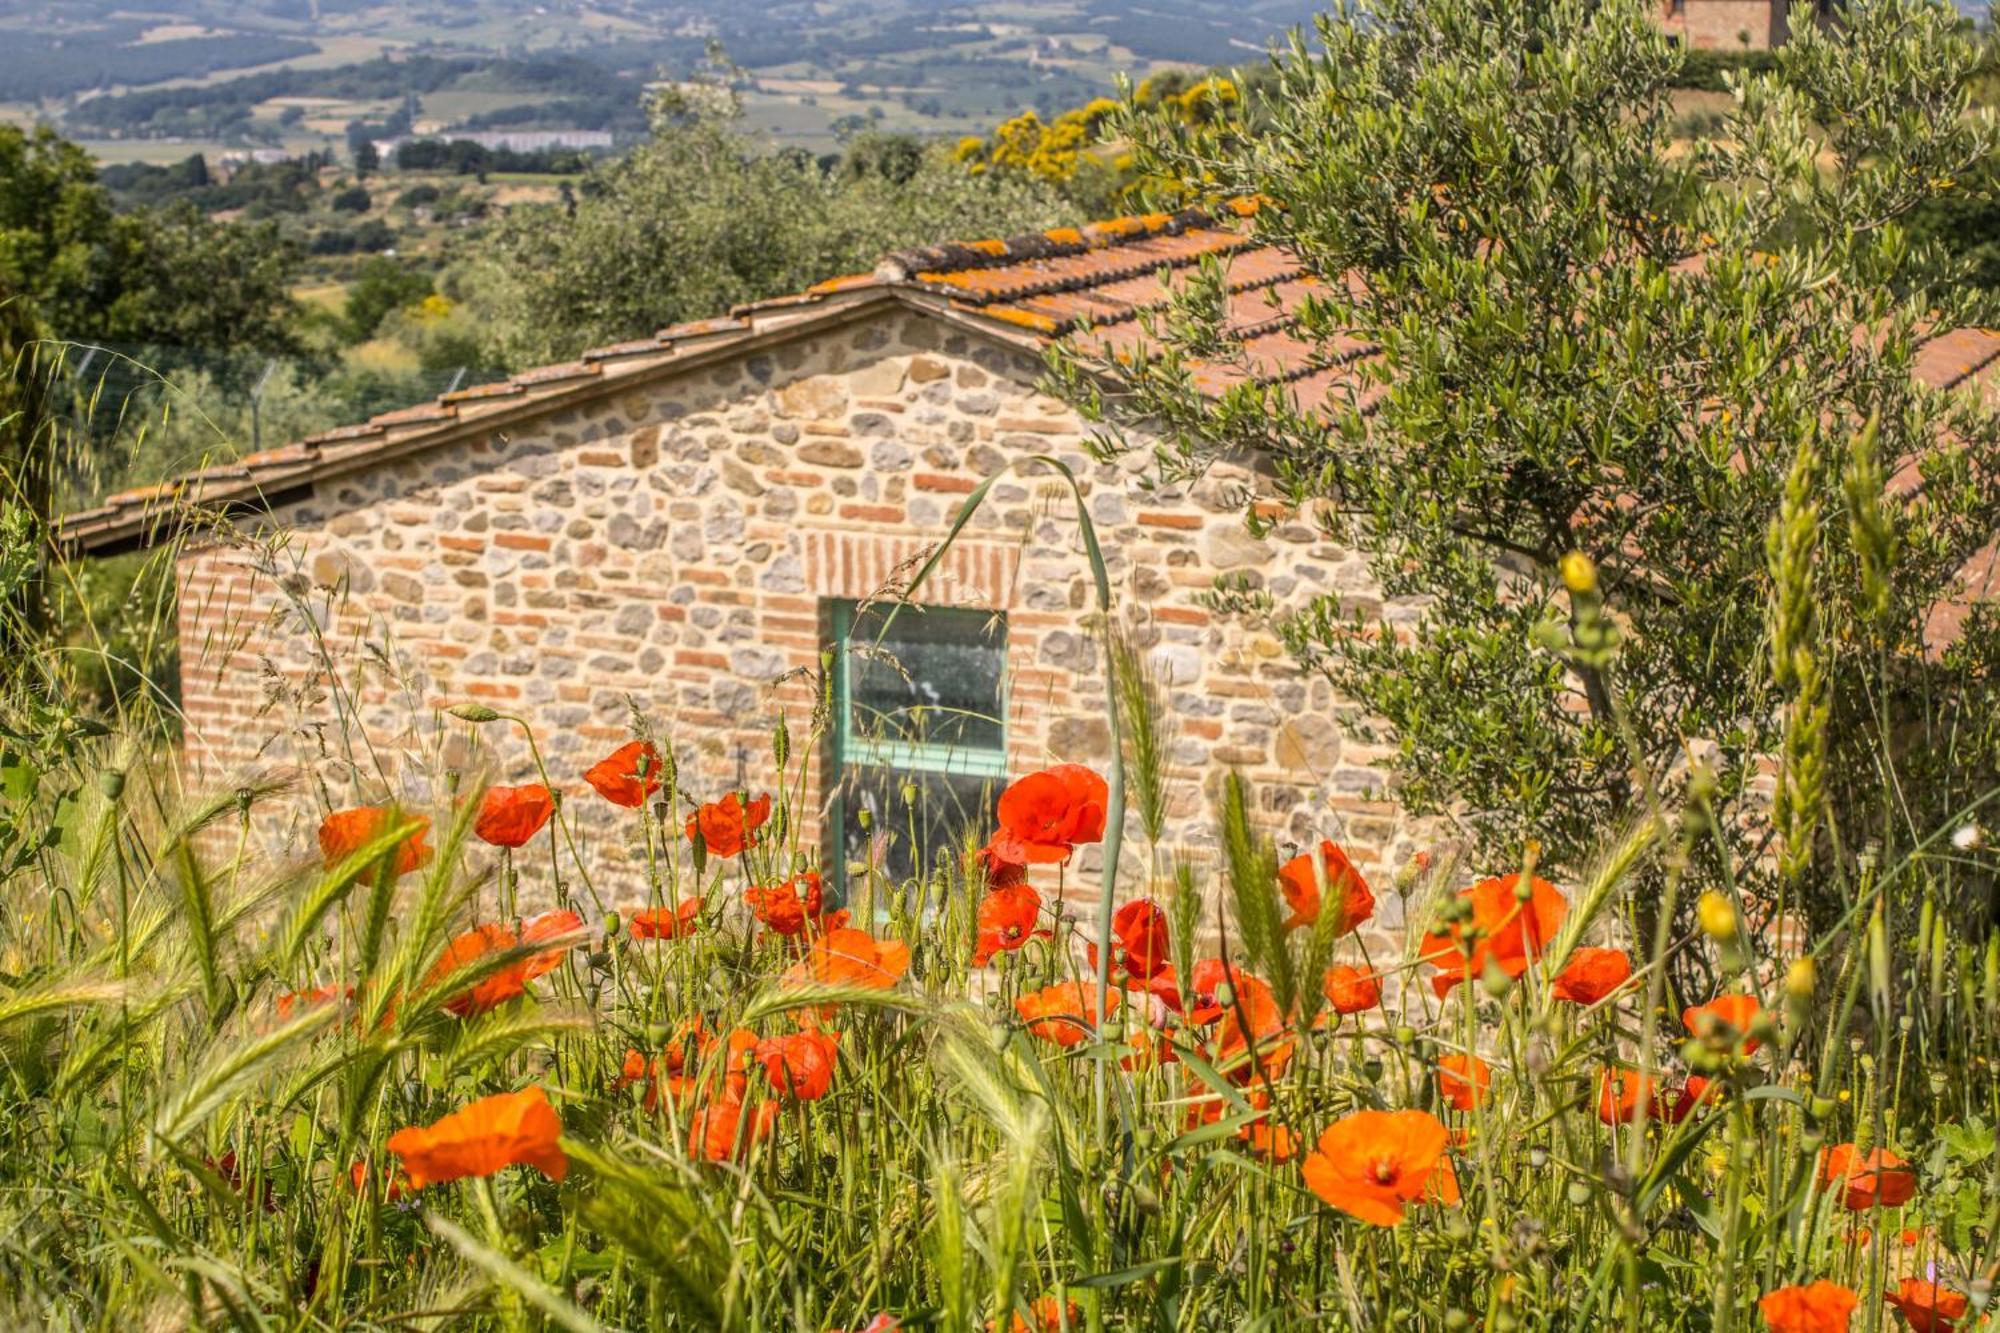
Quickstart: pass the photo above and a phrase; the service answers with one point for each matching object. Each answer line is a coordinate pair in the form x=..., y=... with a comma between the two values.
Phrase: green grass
x=182, y=1143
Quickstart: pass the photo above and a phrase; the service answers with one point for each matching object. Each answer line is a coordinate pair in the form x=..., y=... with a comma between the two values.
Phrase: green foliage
x=702, y=217
x=379, y=287
x=1592, y=338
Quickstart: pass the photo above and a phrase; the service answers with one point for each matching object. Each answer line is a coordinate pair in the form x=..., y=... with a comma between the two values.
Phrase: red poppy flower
x=1372, y=1164
x=1204, y=1002
x=628, y=775
x=793, y=907
x=1592, y=974
x=1819, y=1307
x=727, y=826
x=1463, y=1080
x=1065, y=1013
x=1044, y=816
x=1140, y=928
x=1505, y=929
x=1727, y=1017
x=509, y=1129
x=666, y=923
x=1273, y=1143
x=1300, y=881
x=1927, y=1307
x=800, y=1063
x=1350, y=990
x=509, y=816
x=719, y=1131
x=345, y=832
x=1621, y=1093
x=1007, y=918
x=1878, y=1179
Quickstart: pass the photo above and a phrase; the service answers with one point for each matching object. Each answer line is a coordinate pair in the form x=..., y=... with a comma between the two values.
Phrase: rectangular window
x=920, y=709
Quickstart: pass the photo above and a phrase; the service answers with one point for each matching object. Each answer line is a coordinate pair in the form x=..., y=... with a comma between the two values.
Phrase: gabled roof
x=1028, y=290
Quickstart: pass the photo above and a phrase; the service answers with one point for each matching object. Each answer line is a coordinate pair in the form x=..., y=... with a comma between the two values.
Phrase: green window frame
x=955, y=754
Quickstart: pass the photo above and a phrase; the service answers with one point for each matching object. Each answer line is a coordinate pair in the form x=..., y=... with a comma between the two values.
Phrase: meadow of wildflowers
x=425, y=1079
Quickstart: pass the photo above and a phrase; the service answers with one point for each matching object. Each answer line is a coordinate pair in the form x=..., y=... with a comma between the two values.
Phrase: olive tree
x=1686, y=366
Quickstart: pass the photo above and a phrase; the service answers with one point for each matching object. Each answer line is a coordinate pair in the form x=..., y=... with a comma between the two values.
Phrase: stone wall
x=1727, y=25
x=667, y=550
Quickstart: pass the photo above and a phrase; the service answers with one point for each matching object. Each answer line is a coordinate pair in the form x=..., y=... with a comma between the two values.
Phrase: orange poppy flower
x=495, y=989
x=1252, y=1035
x=1693, y=1096
x=1065, y=1013
x=1880, y=1179
x=301, y=1000
x=1622, y=1092
x=1592, y=974
x=1007, y=918
x=800, y=1063
x=508, y=1129
x=509, y=816
x=727, y=826
x=1044, y=816
x=666, y=923
x=1049, y=1315
x=1727, y=1017
x=1372, y=1164
x=1504, y=929
x=785, y=910
x=1350, y=990
x=345, y=832
x=628, y=775
x=1818, y=1307
x=1300, y=882
x=1927, y=1307
x=359, y=1173
x=1463, y=1080
x=719, y=1131
x=849, y=957
x=1273, y=1143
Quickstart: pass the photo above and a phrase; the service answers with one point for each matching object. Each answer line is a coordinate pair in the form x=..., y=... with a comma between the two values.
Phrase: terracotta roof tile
x=568, y=370
x=422, y=412
x=1044, y=285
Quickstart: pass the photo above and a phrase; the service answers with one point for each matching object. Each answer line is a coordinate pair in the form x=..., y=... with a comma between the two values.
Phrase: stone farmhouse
x=683, y=525
x=1736, y=25
x=699, y=528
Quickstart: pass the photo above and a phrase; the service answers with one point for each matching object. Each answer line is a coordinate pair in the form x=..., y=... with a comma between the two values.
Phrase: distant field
x=922, y=65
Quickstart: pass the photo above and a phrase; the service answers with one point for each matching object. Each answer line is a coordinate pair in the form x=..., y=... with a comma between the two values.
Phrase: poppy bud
x=1406, y=1035
x=1717, y=916
x=473, y=713
x=1225, y=995
x=1799, y=979
x=909, y=793
x=1457, y=1319
x=612, y=925
x=112, y=783
x=1494, y=981
x=864, y=819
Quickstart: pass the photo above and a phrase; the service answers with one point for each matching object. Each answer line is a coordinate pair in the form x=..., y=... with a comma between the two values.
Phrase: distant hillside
x=231, y=73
